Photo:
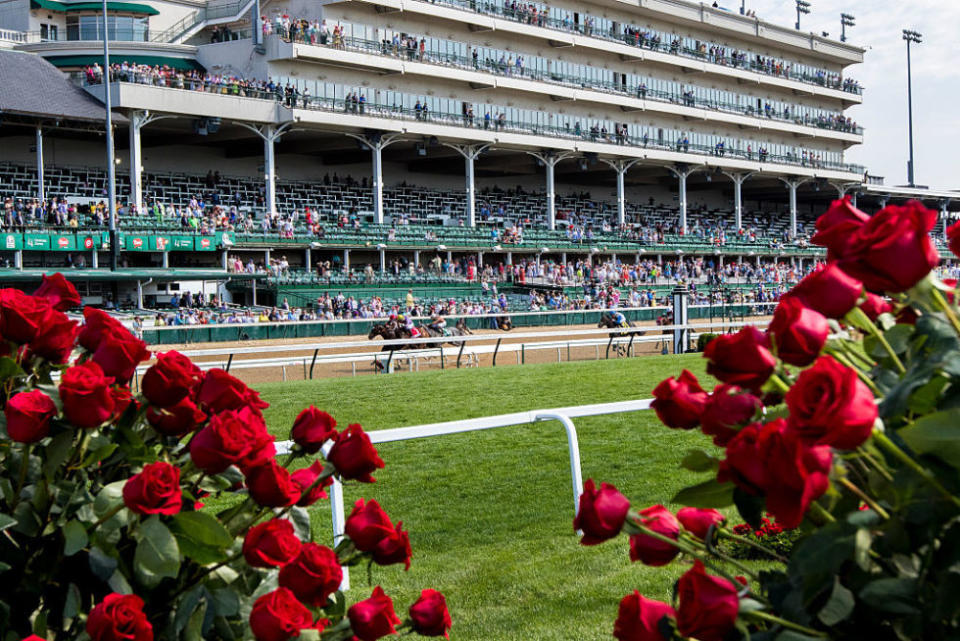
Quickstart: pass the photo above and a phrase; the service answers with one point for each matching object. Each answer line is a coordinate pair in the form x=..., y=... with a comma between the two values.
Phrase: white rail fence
x=564, y=415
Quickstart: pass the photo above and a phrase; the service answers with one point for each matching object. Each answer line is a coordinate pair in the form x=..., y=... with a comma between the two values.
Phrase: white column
x=269, y=165
x=416, y=258
x=41, y=192
x=510, y=258
x=139, y=294
x=166, y=260
x=383, y=260
x=376, y=150
x=18, y=259
x=621, y=195
x=682, y=198
x=449, y=257
x=95, y=258
x=308, y=259
x=944, y=206
x=563, y=258
x=792, y=186
x=346, y=259
x=471, y=194
x=266, y=258
x=551, y=195
x=853, y=198
x=738, y=202
x=136, y=161
x=479, y=260
x=224, y=260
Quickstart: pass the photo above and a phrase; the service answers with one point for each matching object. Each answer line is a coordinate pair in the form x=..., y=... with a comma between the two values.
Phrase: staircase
x=208, y=16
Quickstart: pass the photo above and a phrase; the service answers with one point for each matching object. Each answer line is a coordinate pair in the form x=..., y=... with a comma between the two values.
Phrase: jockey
x=407, y=322
x=619, y=319
x=438, y=323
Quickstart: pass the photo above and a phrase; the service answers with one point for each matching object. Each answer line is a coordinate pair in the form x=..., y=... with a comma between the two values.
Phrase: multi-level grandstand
x=265, y=147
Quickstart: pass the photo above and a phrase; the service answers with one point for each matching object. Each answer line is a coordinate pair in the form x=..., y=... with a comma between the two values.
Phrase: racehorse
x=389, y=332
x=459, y=330
x=504, y=323
x=607, y=321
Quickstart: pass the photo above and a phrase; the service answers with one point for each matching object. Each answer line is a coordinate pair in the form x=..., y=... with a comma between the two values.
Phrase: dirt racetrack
x=246, y=363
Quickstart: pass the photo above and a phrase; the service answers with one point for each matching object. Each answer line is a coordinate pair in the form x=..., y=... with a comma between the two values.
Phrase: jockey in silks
x=439, y=323
x=619, y=319
x=407, y=321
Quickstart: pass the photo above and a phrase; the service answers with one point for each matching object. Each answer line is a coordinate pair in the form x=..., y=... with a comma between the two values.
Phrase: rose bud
x=314, y=575
x=119, y=617
x=28, y=416
x=727, y=410
x=602, y=513
x=85, y=392
x=697, y=521
x=798, y=332
x=169, y=380
x=354, y=455
x=59, y=292
x=875, y=305
x=312, y=429
x=155, y=490
x=278, y=616
x=271, y=544
x=741, y=359
x=373, y=618
x=176, y=420
x=708, y=605
x=639, y=618
x=270, y=485
x=429, y=615
x=305, y=478
x=651, y=551
x=679, y=402
x=393, y=548
x=367, y=525
x=21, y=316
x=828, y=290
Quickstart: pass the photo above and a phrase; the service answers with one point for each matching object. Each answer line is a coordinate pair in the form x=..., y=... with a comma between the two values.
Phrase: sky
x=883, y=114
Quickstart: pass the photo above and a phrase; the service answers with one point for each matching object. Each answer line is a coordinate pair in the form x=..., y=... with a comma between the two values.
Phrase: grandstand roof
x=34, y=88
x=127, y=275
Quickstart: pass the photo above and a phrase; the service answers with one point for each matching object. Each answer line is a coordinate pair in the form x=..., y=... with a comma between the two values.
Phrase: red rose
x=740, y=359
x=773, y=460
x=953, y=238
x=314, y=575
x=56, y=338
x=798, y=332
x=170, y=379
x=119, y=617
x=429, y=615
x=651, y=551
x=679, y=401
x=393, y=548
x=312, y=429
x=726, y=410
x=373, y=618
x=119, y=353
x=828, y=290
x=697, y=521
x=155, y=490
x=875, y=305
x=233, y=437
x=97, y=324
x=270, y=485
x=639, y=618
x=271, y=544
x=601, y=514
x=835, y=228
x=830, y=405
x=85, y=392
x=367, y=525
x=59, y=292
x=305, y=478
x=354, y=455
x=893, y=251
x=176, y=420
x=708, y=605
x=219, y=391
x=28, y=416
x=21, y=316
x=278, y=616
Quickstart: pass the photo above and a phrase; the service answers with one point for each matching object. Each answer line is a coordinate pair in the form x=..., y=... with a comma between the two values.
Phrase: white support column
x=269, y=169
x=18, y=259
x=449, y=256
x=41, y=191
x=224, y=260
x=944, y=215
x=621, y=167
x=563, y=258
x=550, y=159
x=166, y=260
x=738, y=180
x=95, y=258
x=470, y=153
x=308, y=259
x=383, y=260
x=266, y=258
x=792, y=184
x=346, y=259
x=416, y=258
x=510, y=258
x=479, y=260
x=682, y=200
x=136, y=160
x=139, y=294
x=377, y=182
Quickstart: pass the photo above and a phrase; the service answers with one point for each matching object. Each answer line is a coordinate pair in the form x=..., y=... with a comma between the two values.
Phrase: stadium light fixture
x=914, y=37
x=803, y=7
x=846, y=20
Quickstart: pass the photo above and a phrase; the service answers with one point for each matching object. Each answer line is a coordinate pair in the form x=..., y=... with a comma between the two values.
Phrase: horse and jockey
x=614, y=319
x=402, y=326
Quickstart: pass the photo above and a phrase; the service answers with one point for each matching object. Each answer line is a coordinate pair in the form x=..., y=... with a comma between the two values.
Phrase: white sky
x=936, y=80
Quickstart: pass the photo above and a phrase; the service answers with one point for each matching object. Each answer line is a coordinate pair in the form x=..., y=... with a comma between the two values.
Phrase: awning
x=125, y=275
x=115, y=5
x=183, y=64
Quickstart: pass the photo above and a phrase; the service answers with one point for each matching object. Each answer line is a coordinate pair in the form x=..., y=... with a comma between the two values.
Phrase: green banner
x=12, y=241
x=50, y=242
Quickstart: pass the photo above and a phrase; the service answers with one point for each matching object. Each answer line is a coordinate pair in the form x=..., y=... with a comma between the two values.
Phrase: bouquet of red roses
x=842, y=419
x=102, y=491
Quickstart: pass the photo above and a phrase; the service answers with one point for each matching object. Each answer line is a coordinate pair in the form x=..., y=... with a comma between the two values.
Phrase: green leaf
x=936, y=434
x=58, y=451
x=861, y=551
x=74, y=538
x=897, y=596
x=194, y=629
x=750, y=507
x=6, y=521
x=225, y=602
x=301, y=523
x=71, y=605
x=201, y=537
x=9, y=368
x=838, y=607
x=699, y=461
x=898, y=337
x=707, y=494
x=101, y=564
x=925, y=398
x=157, y=555
x=109, y=497
x=99, y=454
x=790, y=635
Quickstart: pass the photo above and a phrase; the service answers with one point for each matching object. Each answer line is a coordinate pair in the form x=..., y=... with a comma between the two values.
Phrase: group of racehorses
x=392, y=330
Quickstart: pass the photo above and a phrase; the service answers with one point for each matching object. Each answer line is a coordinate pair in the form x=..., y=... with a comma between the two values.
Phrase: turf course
x=489, y=513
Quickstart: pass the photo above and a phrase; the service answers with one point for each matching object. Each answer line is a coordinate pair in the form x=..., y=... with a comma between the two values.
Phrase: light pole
x=743, y=7
x=111, y=165
x=916, y=38
x=802, y=7
x=846, y=20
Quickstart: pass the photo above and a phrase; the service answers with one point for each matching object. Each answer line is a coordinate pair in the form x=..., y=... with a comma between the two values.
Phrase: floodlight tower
x=914, y=37
x=846, y=20
x=803, y=7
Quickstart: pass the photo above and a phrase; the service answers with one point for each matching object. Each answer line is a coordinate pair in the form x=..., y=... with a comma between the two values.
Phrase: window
x=90, y=27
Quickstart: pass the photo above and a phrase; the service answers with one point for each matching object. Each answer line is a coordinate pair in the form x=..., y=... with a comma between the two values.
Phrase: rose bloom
x=373, y=618
x=836, y=227
x=305, y=479
x=875, y=305
x=55, y=338
x=727, y=409
x=271, y=544
x=219, y=391
x=639, y=618
x=798, y=332
x=651, y=551
x=312, y=428
x=697, y=521
x=59, y=292
x=830, y=405
x=232, y=437
x=393, y=548
x=367, y=525
x=828, y=290
x=85, y=392
x=429, y=615
x=96, y=325
x=953, y=238
x=740, y=359
x=170, y=379
x=278, y=616
x=28, y=416
x=119, y=617
x=708, y=605
x=354, y=455
x=679, y=402
x=314, y=575
x=602, y=513
x=21, y=316
x=176, y=420
x=119, y=353
x=270, y=485
x=155, y=490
